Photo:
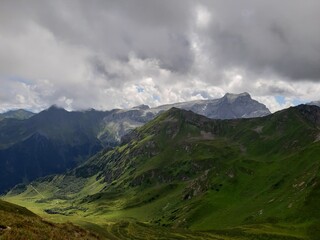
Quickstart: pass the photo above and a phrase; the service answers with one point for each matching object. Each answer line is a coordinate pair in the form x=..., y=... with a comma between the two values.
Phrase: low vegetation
x=19, y=223
x=183, y=176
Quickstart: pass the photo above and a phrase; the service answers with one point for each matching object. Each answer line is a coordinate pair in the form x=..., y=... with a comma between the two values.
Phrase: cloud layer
x=106, y=54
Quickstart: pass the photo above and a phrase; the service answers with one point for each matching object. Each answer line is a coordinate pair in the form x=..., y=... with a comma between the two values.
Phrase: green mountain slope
x=241, y=178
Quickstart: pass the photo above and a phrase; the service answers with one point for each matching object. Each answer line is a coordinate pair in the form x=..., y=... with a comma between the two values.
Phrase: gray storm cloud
x=266, y=36
x=106, y=54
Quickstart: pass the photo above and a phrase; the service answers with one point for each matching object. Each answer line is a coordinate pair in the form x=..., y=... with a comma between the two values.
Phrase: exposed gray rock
x=230, y=106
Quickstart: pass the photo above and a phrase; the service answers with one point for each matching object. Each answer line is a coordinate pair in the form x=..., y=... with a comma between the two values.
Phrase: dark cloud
x=150, y=29
x=99, y=68
x=263, y=35
x=97, y=53
x=257, y=35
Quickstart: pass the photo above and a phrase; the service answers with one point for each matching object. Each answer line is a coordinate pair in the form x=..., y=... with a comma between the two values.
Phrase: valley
x=185, y=176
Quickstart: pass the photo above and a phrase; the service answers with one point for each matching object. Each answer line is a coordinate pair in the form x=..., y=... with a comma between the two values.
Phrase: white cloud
x=114, y=54
x=203, y=17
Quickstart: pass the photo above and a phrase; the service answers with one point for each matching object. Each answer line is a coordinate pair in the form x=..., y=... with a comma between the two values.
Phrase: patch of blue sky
x=140, y=89
x=20, y=79
x=297, y=101
x=282, y=100
x=156, y=98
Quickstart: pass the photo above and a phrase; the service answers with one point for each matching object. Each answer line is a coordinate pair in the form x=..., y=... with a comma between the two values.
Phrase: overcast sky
x=107, y=54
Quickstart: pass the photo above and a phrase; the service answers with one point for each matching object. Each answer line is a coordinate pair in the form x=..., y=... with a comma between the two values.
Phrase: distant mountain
x=17, y=114
x=230, y=106
x=255, y=178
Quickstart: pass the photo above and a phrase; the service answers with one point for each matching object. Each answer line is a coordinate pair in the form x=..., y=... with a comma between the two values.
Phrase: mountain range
x=185, y=176
x=54, y=140
x=230, y=106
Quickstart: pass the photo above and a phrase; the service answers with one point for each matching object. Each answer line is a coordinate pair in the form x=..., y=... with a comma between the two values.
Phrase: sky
x=107, y=54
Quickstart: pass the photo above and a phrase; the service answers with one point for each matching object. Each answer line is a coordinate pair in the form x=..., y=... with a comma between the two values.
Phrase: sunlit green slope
x=183, y=170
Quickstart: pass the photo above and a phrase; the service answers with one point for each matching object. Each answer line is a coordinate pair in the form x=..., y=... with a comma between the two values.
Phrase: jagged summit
x=228, y=107
x=244, y=94
x=232, y=96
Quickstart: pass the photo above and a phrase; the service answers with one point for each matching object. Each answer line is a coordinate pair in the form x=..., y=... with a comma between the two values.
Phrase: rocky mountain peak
x=231, y=97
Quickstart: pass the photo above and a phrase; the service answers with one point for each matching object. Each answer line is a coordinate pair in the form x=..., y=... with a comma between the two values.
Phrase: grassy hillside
x=19, y=223
x=229, y=179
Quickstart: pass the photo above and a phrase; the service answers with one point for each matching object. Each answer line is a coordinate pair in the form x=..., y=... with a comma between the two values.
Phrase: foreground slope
x=19, y=223
x=242, y=177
